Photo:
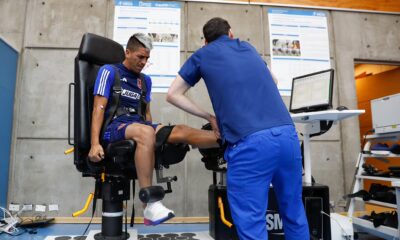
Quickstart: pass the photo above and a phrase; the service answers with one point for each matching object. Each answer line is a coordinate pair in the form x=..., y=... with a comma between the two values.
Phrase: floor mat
x=150, y=236
x=132, y=232
x=176, y=236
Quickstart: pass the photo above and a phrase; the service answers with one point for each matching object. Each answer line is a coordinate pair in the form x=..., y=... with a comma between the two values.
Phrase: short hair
x=139, y=40
x=214, y=28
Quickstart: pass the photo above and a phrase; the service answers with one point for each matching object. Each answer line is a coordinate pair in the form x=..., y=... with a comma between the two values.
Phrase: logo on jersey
x=130, y=94
x=124, y=80
x=139, y=83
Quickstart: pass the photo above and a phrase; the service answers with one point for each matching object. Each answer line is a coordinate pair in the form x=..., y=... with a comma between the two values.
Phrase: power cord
x=9, y=222
x=347, y=235
x=90, y=222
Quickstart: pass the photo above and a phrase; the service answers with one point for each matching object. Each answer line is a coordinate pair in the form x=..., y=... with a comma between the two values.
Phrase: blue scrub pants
x=268, y=156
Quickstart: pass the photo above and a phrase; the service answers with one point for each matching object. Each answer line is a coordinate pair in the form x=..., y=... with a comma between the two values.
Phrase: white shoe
x=156, y=213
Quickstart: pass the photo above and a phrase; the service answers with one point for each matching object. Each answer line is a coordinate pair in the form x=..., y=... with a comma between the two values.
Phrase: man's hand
x=96, y=153
x=214, y=125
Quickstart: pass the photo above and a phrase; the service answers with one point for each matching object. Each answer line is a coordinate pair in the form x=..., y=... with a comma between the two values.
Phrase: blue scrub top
x=244, y=96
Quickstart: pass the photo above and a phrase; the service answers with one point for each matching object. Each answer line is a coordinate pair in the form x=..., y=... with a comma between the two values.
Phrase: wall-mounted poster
x=162, y=22
x=299, y=44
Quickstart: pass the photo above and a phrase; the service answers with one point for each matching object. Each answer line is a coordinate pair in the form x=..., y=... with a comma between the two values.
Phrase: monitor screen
x=312, y=92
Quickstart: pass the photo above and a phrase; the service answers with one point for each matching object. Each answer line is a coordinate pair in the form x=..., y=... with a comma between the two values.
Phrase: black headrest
x=100, y=50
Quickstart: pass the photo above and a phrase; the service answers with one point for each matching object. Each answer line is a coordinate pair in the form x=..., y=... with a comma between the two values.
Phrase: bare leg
x=144, y=137
x=155, y=212
x=195, y=137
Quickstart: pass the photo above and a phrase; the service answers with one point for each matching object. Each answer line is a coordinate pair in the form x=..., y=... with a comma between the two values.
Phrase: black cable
x=96, y=192
x=126, y=217
x=88, y=225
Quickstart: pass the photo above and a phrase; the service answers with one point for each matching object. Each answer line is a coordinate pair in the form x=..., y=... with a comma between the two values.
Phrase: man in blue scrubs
x=252, y=119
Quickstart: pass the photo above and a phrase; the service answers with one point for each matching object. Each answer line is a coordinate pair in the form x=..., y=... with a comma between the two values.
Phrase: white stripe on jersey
x=103, y=80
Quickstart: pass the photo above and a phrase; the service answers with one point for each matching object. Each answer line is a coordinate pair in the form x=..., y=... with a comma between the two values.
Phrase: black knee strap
x=168, y=153
x=163, y=135
x=151, y=194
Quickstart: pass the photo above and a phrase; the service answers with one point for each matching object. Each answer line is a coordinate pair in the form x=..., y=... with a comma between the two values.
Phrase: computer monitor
x=312, y=92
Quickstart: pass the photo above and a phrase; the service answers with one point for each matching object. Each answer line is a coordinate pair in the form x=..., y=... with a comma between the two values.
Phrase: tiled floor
x=78, y=229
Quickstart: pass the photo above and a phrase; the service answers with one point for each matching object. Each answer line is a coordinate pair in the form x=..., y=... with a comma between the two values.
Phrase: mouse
x=341, y=108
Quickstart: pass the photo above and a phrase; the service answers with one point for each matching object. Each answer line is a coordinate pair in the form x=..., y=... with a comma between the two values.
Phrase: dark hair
x=134, y=44
x=214, y=28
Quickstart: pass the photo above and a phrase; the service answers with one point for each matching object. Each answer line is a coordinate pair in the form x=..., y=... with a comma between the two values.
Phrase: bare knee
x=179, y=133
x=141, y=134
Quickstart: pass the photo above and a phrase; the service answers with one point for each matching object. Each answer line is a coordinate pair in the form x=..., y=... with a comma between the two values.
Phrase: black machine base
x=99, y=236
x=315, y=200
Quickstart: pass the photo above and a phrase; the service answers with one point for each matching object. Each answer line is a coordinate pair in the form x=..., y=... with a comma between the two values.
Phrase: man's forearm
x=176, y=96
x=184, y=103
x=97, y=122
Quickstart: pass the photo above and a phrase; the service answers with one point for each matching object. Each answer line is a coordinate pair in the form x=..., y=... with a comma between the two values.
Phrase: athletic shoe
x=380, y=149
x=156, y=213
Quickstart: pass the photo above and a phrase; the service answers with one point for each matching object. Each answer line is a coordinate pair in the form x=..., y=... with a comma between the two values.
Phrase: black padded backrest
x=94, y=52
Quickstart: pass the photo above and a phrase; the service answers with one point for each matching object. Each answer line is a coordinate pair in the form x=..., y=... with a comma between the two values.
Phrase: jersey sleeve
x=148, y=83
x=190, y=71
x=104, y=81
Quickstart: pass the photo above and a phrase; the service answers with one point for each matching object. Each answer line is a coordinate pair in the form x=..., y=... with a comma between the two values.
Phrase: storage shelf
x=390, y=136
x=381, y=231
x=378, y=178
x=370, y=155
x=377, y=203
x=365, y=225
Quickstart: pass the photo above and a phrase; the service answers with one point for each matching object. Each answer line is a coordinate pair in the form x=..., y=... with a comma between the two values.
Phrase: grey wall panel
x=165, y=113
x=44, y=93
x=240, y=17
x=198, y=179
x=12, y=25
x=42, y=174
x=327, y=167
x=184, y=26
x=367, y=36
x=347, y=29
x=110, y=19
x=381, y=35
x=265, y=31
x=55, y=23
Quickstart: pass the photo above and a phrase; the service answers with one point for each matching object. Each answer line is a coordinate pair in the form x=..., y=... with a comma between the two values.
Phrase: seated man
x=130, y=124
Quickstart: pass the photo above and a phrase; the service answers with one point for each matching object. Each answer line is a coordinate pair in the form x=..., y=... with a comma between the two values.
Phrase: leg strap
x=163, y=135
x=168, y=153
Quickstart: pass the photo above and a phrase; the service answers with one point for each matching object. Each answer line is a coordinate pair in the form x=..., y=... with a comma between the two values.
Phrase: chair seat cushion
x=120, y=148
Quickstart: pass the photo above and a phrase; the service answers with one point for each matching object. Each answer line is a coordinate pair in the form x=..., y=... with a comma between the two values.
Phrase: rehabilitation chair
x=114, y=173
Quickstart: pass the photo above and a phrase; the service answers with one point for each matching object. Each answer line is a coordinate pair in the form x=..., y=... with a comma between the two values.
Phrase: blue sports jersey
x=244, y=96
x=131, y=88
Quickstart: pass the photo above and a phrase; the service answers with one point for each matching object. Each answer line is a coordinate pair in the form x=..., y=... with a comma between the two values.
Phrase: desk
x=312, y=121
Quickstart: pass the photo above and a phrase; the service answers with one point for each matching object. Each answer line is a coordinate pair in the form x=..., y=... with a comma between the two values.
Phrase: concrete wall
x=48, y=32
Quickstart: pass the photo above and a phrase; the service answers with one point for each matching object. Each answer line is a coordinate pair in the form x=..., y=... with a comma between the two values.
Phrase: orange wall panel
x=371, y=5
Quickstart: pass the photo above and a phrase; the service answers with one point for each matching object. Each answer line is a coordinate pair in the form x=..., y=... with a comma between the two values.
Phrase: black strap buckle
x=130, y=110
